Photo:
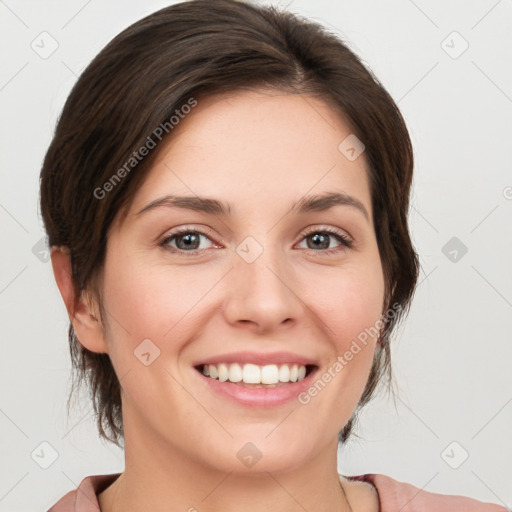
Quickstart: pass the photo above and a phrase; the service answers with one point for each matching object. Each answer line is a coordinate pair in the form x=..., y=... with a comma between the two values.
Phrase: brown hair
x=144, y=76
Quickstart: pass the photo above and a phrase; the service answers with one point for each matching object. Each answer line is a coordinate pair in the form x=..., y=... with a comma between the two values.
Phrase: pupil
x=321, y=238
x=189, y=240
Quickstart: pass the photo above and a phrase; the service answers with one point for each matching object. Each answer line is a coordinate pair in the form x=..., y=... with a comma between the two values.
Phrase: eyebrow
x=314, y=203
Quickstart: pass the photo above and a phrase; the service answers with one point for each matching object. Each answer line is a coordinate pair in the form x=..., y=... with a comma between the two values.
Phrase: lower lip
x=264, y=397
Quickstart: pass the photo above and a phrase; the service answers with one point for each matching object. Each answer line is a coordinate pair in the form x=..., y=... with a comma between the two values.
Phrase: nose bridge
x=261, y=288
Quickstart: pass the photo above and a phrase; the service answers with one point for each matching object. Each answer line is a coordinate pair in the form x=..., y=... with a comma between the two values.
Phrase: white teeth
x=294, y=373
x=223, y=372
x=284, y=373
x=270, y=374
x=214, y=374
x=251, y=374
x=254, y=374
x=235, y=373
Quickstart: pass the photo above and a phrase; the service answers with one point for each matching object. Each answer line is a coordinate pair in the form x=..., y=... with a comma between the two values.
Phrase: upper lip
x=258, y=358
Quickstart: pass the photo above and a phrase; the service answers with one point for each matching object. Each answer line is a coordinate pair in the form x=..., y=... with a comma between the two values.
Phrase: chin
x=255, y=451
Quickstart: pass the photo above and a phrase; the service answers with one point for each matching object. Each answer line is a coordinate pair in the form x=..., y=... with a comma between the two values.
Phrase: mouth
x=251, y=375
x=256, y=380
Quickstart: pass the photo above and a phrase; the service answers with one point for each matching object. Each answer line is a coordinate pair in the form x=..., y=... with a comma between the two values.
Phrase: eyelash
x=345, y=242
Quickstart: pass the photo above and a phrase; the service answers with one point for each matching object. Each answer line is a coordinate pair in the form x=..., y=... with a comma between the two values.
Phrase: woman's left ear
x=83, y=311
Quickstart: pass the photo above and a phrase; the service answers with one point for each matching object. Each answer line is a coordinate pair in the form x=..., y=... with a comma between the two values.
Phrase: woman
x=226, y=200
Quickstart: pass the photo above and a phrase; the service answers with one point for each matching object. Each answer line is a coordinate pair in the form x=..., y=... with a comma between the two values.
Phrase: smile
x=254, y=379
x=256, y=375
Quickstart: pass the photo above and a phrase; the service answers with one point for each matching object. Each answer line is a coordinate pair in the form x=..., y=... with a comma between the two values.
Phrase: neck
x=161, y=478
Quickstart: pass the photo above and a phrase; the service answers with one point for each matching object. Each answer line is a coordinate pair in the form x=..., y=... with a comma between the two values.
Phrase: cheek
x=149, y=299
x=349, y=305
x=155, y=302
x=150, y=312
x=349, y=301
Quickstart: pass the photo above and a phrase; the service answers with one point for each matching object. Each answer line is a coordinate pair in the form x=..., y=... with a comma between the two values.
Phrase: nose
x=261, y=295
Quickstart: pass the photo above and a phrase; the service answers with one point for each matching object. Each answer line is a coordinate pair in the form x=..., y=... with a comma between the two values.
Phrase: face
x=245, y=286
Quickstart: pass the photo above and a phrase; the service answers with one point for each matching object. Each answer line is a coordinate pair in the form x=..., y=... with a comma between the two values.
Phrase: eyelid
x=204, y=231
x=347, y=242
x=326, y=229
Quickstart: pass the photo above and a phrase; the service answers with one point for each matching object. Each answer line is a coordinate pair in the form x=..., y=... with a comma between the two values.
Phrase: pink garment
x=394, y=496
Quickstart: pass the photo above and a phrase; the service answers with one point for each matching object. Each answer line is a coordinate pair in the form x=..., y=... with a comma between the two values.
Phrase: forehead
x=255, y=147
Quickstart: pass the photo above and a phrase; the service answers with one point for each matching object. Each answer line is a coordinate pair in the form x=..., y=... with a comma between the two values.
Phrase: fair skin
x=260, y=153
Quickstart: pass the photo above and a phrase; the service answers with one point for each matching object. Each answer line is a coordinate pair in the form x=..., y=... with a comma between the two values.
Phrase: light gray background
x=451, y=358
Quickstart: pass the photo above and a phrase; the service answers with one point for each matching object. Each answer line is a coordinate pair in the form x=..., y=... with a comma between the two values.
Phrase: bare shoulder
x=361, y=495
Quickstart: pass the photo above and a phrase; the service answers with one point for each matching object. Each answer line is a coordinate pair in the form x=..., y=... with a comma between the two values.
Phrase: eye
x=190, y=240
x=320, y=240
x=186, y=240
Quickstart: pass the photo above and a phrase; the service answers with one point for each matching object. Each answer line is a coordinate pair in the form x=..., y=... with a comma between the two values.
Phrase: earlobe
x=82, y=311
